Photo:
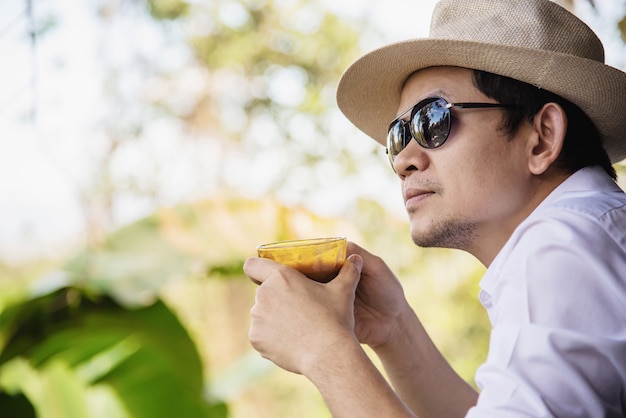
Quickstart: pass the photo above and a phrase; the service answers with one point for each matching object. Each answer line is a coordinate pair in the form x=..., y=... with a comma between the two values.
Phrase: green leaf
x=54, y=390
x=18, y=405
x=144, y=355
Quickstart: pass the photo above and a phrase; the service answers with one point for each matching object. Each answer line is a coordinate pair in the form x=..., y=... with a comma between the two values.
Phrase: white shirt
x=556, y=298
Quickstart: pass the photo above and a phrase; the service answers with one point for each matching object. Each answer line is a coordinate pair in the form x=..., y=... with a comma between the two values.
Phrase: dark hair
x=582, y=146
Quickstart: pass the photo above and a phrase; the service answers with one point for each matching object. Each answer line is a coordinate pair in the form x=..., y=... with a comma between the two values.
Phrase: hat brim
x=369, y=90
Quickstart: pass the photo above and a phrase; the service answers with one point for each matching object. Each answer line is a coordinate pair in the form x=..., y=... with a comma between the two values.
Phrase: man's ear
x=549, y=128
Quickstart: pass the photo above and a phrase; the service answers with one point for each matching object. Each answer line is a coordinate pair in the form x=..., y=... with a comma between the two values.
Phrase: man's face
x=471, y=192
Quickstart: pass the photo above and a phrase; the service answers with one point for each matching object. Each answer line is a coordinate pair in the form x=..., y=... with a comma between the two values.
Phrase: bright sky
x=40, y=162
x=45, y=165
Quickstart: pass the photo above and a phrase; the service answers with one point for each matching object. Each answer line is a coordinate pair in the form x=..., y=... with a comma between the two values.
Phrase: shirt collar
x=584, y=180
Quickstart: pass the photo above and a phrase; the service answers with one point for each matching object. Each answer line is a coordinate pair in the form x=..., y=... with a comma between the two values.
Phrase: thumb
x=350, y=273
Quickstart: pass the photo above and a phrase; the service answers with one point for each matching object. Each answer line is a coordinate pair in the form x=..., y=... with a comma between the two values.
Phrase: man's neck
x=491, y=237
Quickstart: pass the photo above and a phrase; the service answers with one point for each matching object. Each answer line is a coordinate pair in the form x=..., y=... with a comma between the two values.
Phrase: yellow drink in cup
x=318, y=258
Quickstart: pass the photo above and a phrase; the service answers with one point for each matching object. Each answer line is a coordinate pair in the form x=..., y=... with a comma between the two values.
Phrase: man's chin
x=444, y=234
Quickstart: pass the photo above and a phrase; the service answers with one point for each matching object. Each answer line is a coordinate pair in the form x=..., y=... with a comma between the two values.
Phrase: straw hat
x=535, y=41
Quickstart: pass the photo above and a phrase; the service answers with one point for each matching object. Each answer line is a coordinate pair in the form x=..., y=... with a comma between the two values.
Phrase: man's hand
x=379, y=299
x=295, y=321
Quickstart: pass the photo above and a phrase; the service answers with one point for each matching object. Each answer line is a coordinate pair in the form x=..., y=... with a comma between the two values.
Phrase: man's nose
x=412, y=158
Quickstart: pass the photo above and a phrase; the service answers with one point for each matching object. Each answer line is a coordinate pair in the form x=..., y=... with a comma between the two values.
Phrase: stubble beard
x=446, y=233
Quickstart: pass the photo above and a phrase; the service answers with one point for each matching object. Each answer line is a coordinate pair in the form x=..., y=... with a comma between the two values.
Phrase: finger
x=260, y=269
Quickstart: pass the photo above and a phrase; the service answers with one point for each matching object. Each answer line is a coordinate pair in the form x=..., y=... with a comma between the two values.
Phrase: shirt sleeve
x=558, y=344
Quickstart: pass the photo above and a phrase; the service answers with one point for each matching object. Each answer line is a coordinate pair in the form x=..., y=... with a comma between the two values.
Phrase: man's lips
x=412, y=196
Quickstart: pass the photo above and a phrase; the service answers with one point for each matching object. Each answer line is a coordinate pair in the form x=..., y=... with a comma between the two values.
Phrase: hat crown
x=534, y=41
x=534, y=24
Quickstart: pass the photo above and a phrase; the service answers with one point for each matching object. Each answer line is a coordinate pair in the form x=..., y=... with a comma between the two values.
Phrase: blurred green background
x=147, y=148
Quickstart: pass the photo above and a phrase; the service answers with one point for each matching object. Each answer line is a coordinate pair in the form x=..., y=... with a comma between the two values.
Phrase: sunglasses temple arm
x=477, y=105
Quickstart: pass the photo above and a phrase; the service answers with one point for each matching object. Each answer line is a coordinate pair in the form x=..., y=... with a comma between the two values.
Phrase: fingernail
x=357, y=261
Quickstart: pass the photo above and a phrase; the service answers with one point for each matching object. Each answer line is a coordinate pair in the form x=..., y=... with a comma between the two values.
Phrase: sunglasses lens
x=430, y=124
x=398, y=138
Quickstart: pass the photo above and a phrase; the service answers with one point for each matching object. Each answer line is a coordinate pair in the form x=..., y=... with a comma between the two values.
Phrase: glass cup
x=318, y=258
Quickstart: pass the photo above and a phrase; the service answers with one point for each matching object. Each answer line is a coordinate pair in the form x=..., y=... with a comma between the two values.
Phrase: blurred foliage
x=67, y=351
x=265, y=43
x=203, y=238
x=622, y=27
x=167, y=9
x=249, y=81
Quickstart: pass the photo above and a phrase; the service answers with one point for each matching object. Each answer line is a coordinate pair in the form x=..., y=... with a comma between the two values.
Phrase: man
x=502, y=128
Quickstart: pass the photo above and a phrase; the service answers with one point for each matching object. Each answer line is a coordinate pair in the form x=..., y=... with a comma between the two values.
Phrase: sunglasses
x=429, y=124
